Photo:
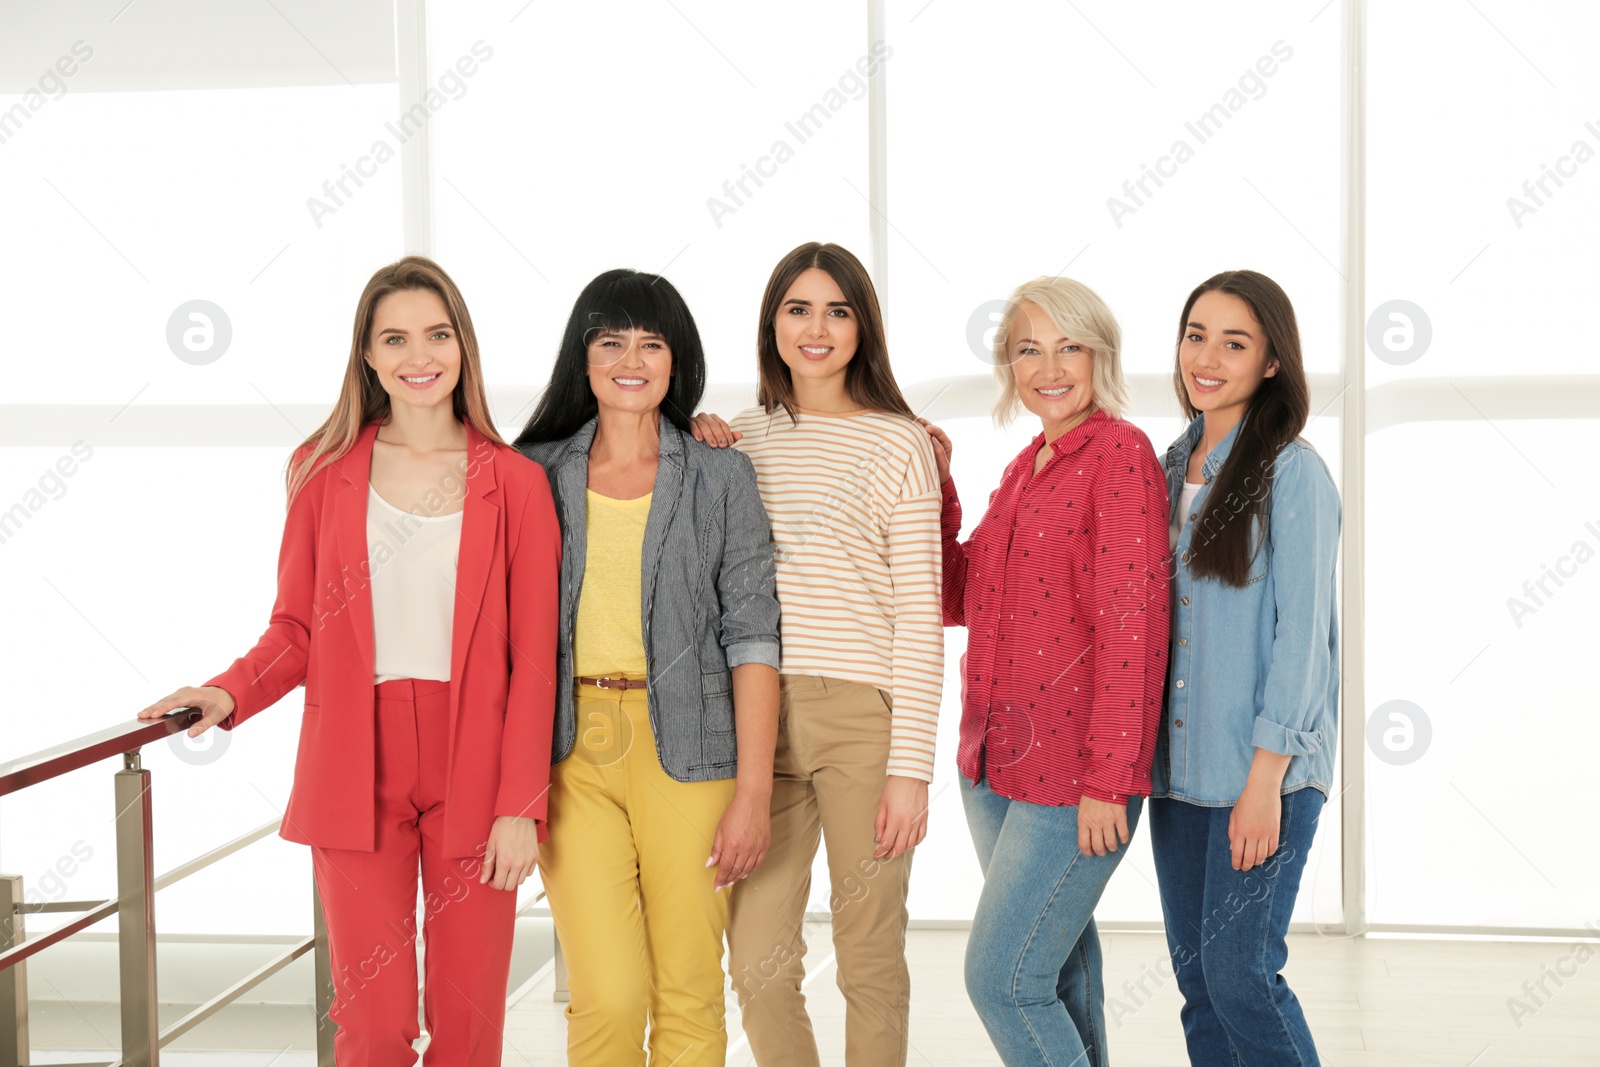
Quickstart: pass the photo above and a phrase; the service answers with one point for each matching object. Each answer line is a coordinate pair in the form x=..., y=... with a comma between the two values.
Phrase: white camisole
x=413, y=574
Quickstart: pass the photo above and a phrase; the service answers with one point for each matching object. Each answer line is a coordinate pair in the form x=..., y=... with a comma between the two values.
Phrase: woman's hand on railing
x=214, y=702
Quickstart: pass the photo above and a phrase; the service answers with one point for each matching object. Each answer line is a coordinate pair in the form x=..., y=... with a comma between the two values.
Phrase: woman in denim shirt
x=667, y=705
x=1244, y=759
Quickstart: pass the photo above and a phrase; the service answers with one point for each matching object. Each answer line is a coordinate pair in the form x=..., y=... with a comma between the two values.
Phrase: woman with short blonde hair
x=1081, y=315
x=1063, y=589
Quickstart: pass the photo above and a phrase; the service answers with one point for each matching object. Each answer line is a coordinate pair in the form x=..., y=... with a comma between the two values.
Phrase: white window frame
x=1362, y=410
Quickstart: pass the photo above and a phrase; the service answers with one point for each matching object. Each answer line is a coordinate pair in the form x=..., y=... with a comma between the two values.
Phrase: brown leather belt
x=614, y=683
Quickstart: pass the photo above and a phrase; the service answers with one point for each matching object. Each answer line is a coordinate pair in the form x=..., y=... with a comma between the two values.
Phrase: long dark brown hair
x=1240, y=495
x=868, y=378
x=362, y=397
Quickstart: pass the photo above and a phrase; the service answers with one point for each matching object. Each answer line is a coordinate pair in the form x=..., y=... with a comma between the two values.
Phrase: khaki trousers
x=828, y=779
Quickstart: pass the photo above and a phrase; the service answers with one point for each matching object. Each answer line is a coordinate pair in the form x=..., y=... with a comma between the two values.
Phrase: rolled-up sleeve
x=1296, y=716
x=747, y=583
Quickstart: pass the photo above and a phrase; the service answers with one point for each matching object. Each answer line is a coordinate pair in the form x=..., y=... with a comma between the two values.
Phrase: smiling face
x=1054, y=374
x=1223, y=357
x=629, y=369
x=815, y=328
x=414, y=349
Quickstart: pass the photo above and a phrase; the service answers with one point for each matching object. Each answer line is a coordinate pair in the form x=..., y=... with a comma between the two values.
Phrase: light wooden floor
x=1372, y=1002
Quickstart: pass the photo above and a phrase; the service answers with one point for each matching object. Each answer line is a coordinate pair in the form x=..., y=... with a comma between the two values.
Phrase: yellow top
x=609, y=640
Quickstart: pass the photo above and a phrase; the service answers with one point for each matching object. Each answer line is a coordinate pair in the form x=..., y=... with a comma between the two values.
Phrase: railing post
x=136, y=915
x=13, y=980
x=326, y=1027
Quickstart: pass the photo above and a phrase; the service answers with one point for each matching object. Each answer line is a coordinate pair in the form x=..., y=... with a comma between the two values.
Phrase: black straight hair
x=619, y=299
x=1240, y=496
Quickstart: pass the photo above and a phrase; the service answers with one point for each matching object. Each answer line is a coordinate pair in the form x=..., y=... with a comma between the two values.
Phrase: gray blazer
x=709, y=603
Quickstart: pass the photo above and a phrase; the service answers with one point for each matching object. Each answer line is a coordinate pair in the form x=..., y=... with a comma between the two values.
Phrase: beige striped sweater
x=854, y=503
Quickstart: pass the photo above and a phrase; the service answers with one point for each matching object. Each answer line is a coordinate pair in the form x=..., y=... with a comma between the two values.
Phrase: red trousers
x=370, y=902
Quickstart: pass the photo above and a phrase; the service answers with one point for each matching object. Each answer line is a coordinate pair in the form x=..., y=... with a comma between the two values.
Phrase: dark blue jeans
x=1033, y=957
x=1226, y=928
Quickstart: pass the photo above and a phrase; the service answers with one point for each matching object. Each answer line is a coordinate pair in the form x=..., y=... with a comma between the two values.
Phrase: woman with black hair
x=1244, y=757
x=667, y=680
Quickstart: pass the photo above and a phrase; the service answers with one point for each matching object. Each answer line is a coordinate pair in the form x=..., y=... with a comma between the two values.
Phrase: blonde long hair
x=363, y=399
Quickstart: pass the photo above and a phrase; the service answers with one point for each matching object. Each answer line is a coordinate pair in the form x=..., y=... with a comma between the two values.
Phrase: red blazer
x=502, y=656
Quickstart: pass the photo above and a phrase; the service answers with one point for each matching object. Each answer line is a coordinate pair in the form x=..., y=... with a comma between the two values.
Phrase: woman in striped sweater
x=1063, y=588
x=848, y=480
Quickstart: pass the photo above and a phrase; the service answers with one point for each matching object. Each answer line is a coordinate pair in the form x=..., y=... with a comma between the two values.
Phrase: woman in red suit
x=417, y=603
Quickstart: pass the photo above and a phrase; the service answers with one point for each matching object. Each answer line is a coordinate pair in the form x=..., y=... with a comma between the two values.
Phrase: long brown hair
x=1276, y=414
x=362, y=397
x=868, y=378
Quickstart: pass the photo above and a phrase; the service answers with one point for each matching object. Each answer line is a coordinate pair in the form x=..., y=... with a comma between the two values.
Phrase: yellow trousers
x=631, y=896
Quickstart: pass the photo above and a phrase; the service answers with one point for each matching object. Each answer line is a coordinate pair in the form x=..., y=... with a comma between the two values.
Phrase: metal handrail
x=235, y=991
x=137, y=884
x=95, y=910
x=206, y=859
x=116, y=740
x=142, y=1039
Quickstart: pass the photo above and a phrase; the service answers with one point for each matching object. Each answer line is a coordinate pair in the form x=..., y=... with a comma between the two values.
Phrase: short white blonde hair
x=1079, y=313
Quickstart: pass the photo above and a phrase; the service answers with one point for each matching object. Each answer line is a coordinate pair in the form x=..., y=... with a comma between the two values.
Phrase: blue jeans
x=1225, y=930
x=1033, y=960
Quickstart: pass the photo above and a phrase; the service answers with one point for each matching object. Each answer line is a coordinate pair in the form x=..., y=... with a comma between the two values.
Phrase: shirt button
x=1184, y=601
x=1193, y=517
x=1184, y=558
x=1179, y=683
x=1183, y=640
x=1177, y=722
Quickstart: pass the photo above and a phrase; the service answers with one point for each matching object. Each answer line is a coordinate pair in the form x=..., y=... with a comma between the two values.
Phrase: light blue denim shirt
x=1257, y=666
x=708, y=593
